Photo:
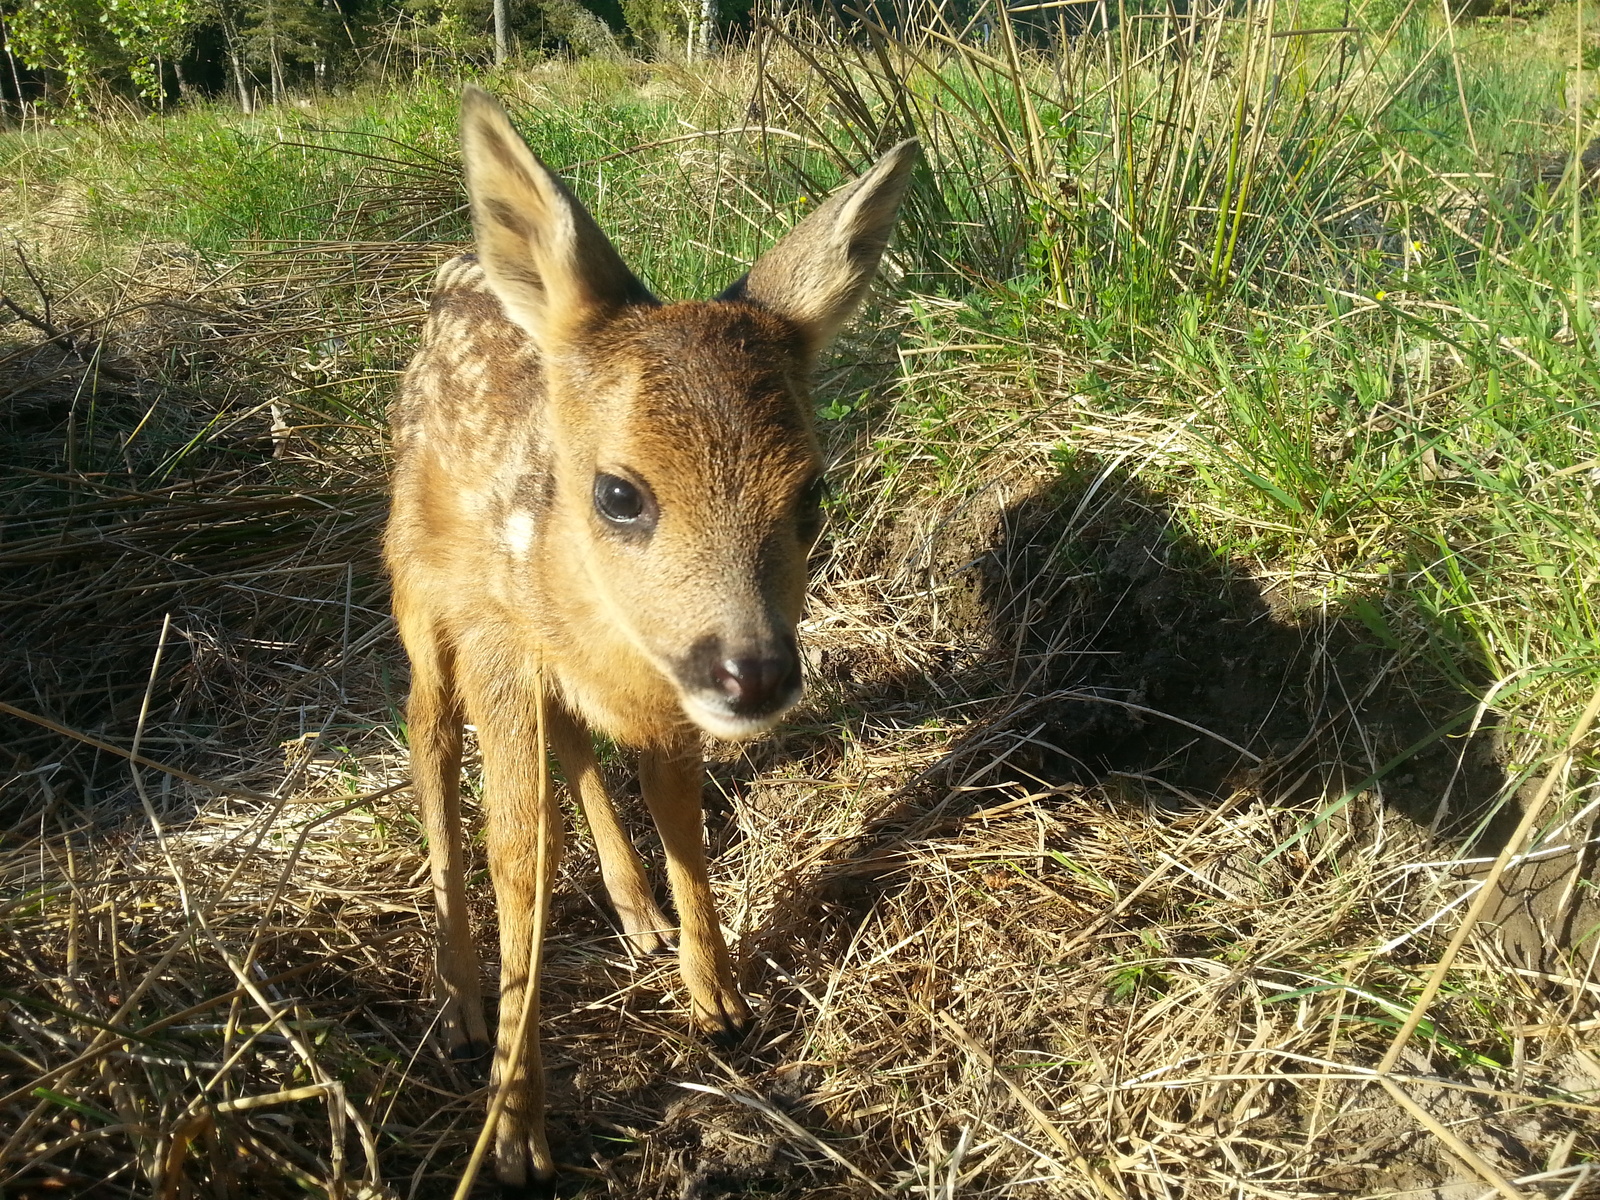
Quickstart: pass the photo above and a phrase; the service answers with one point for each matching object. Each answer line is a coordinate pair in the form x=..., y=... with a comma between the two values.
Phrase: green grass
x=214, y=180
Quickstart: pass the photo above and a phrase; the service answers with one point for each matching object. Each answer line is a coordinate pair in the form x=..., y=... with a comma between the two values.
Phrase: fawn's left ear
x=819, y=272
x=543, y=254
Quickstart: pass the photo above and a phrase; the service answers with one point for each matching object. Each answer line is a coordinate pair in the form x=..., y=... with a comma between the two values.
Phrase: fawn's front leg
x=626, y=882
x=433, y=722
x=521, y=868
x=671, y=779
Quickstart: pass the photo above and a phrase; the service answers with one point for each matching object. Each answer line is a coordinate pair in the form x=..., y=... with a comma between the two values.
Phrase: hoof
x=470, y=1052
x=532, y=1189
x=726, y=1025
x=730, y=1034
x=646, y=929
x=524, y=1167
x=651, y=943
x=472, y=1058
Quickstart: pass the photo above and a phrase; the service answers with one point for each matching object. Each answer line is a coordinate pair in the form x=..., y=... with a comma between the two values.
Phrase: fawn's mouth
x=730, y=728
x=713, y=712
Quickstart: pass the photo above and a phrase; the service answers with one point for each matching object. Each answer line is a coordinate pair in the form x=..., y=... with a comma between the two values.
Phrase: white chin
x=719, y=722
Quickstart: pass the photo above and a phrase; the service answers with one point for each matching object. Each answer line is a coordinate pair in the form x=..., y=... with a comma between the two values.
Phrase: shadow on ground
x=1119, y=648
x=140, y=480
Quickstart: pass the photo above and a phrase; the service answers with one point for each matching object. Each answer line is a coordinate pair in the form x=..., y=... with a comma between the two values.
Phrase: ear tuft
x=817, y=275
x=541, y=251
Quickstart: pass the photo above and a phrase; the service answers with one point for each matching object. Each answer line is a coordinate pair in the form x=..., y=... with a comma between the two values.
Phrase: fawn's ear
x=818, y=273
x=541, y=251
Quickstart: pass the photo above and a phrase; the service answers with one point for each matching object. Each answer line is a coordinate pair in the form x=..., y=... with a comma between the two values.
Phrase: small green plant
x=1140, y=975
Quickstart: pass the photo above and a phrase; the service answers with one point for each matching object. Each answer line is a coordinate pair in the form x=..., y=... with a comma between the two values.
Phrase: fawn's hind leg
x=672, y=779
x=433, y=718
x=517, y=828
x=624, y=875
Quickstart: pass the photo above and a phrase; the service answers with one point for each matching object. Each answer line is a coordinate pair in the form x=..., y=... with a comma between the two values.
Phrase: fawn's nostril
x=753, y=684
x=730, y=677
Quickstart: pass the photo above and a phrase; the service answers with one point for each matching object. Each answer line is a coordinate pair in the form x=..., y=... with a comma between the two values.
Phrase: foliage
x=91, y=42
x=659, y=24
x=453, y=28
x=275, y=33
x=94, y=50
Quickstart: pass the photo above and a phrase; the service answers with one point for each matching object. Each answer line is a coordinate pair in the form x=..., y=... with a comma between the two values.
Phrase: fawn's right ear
x=543, y=254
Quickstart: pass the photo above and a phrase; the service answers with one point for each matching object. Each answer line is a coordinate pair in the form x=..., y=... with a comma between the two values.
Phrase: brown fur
x=542, y=366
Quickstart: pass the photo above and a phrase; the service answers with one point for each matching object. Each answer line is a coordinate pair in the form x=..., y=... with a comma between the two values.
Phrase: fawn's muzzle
x=739, y=690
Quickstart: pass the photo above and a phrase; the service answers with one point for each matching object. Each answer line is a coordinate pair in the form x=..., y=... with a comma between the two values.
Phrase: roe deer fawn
x=603, y=507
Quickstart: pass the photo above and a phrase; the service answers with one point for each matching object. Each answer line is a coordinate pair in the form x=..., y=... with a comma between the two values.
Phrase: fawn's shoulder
x=475, y=371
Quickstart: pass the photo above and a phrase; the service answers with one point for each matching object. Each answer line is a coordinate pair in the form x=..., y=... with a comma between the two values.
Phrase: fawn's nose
x=755, y=685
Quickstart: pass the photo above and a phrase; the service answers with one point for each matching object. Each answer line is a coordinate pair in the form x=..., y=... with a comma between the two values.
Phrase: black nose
x=756, y=685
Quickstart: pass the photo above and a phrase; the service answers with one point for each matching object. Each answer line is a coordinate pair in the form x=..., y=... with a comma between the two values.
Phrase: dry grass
x=975, y=989
x=1079, y=875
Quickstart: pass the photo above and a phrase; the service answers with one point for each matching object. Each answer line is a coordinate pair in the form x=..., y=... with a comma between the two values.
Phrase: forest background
x=87, y=54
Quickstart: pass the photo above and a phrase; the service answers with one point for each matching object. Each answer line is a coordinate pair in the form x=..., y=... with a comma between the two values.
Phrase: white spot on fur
x=519, y=533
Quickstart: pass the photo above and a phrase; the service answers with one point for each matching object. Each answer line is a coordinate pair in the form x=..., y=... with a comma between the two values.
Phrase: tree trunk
x=231, y=38
x=708, y=27
x=502, y=32
x=325, y=44
x=16, y=79
x=239, y=80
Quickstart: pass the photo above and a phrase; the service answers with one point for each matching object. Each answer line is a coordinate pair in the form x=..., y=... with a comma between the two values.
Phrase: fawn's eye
x=808, y=509
x=617, y=500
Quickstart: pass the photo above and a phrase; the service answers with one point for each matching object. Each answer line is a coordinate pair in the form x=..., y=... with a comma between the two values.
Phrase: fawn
x=602, y=511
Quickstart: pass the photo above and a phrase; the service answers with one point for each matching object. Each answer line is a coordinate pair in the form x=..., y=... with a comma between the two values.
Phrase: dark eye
x=617, y=500
x=813, y=496
x=808, y=509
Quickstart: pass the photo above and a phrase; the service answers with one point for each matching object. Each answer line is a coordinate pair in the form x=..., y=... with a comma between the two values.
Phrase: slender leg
x=433, y=717
x=625, y=879
x=672, y=779
x=505, y=714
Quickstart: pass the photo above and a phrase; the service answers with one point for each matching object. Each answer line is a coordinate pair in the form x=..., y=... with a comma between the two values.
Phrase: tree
x=90, y=51
x=94, y=44
x=66, y=37
x=277, y=33
x=151, y=33
x=661, y=25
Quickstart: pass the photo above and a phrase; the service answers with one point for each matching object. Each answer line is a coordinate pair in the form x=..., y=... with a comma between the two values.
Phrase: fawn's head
x=686, y=488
